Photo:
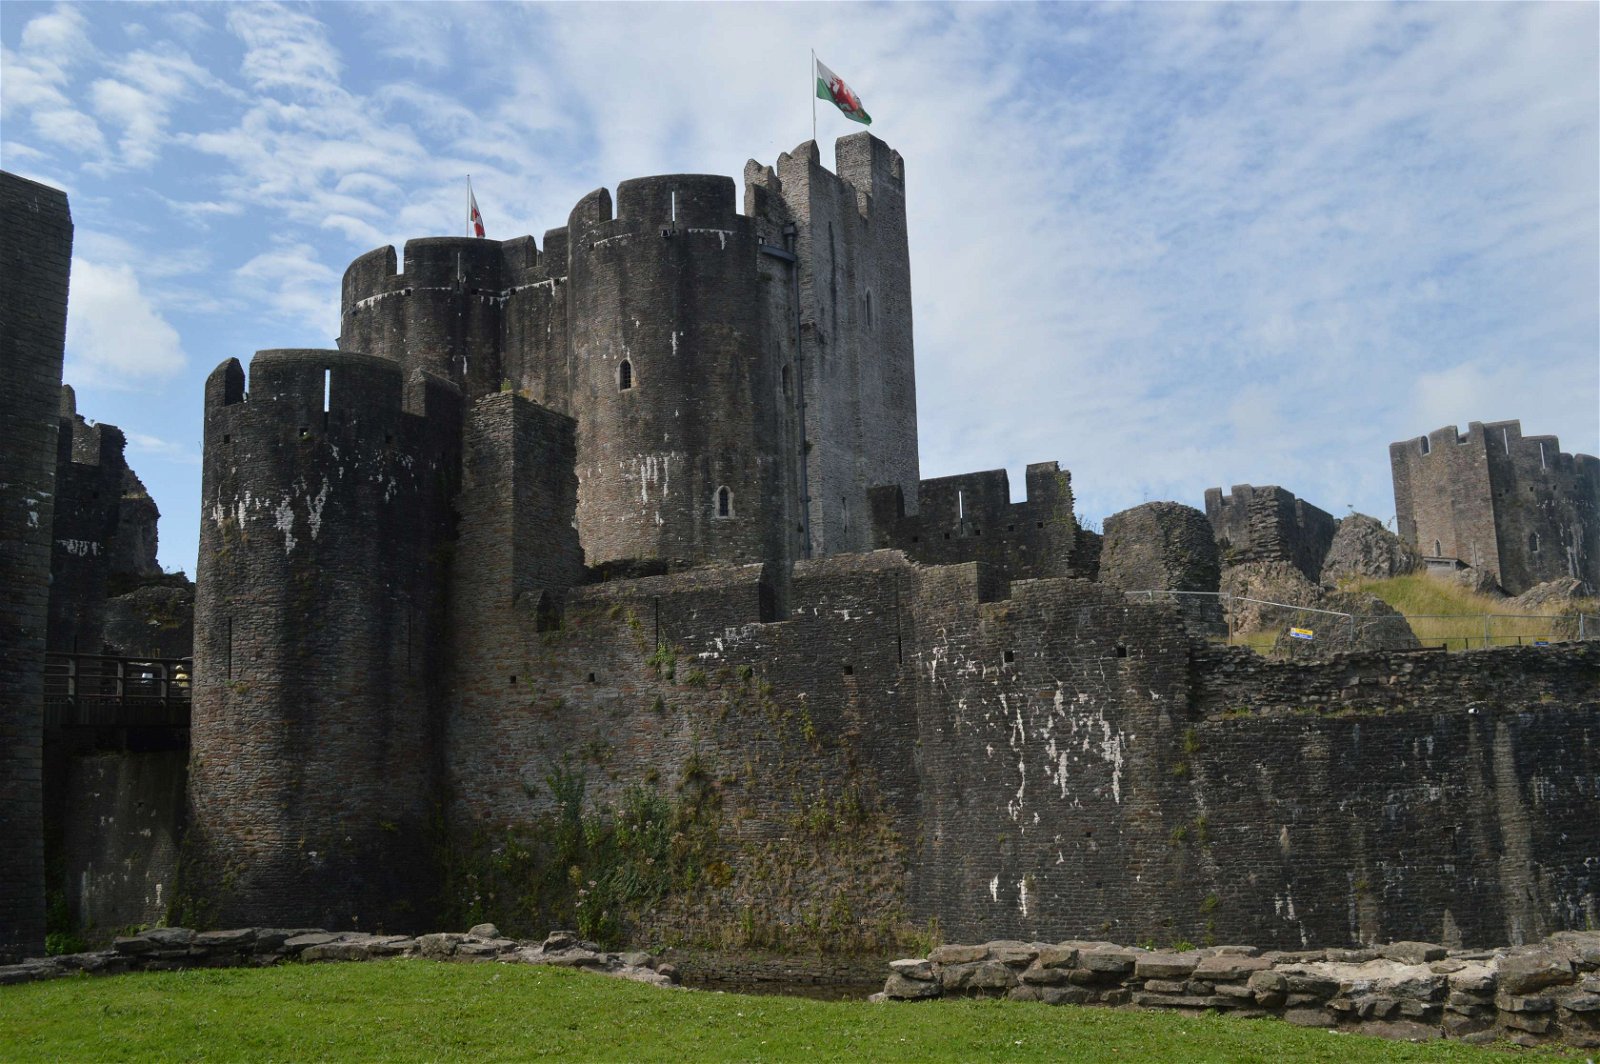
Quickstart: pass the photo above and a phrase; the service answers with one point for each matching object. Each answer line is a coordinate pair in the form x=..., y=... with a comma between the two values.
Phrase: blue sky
x=1169, y=245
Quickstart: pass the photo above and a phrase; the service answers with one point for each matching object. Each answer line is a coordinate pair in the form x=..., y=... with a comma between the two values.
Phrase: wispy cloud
x=115, y=336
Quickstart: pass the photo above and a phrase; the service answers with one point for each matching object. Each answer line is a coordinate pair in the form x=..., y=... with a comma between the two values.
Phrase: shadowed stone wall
x=36, y=256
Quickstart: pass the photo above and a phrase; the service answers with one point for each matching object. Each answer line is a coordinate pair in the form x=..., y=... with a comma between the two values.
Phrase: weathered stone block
x=1227, y=967
x=1165, y=966
x=1057, y=957
x=1165, y=986
x=1063, y=995
x=958, y=954
x=1506, y=1002
x=1414, y=952
x=1522, y=973
x=1106, y=962
x=240, y=939
x=1037, y=976
x=900, y=988
x=910, y=968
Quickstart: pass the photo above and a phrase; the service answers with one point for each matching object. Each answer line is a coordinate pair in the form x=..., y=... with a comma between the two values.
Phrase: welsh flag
x=831, y=87
x=474, y=219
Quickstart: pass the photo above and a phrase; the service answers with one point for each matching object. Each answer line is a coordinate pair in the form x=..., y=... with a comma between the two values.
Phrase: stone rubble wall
x=1539, y=994
x=167, y=949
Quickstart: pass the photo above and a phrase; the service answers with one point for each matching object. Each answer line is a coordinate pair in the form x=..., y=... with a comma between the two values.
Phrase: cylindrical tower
x=677, y=396
x=441, y=315
x=325, y=508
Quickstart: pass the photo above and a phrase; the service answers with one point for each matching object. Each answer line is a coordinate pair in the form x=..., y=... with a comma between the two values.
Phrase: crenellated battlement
x=470, y=265
x=302, y=394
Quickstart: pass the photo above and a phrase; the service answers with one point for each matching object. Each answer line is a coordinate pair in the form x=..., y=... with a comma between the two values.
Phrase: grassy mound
x=421, y=1010
x=1442, y=611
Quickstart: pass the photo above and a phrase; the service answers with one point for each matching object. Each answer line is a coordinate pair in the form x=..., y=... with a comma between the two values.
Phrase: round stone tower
x=325, y=508
x=678, y=397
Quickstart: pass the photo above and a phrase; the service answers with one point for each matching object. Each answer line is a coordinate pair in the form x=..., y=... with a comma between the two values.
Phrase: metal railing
x=98, y=691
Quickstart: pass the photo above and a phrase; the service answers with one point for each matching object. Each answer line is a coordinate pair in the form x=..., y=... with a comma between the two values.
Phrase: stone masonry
x=1512, y=506
x=35, y=255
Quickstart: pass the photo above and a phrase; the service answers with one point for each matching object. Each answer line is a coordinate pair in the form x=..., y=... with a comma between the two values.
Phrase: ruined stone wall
x=1164, y=546
x=1546, y=509
x=35, y=256
x=90, y=470
x=971, y=518
x=319, y=638
x=792, y=737
x=1443, y=499
x=121, y=828
x=1048, y=760
x=1268, y=524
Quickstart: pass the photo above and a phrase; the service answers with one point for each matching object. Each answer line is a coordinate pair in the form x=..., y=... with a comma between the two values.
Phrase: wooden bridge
x=118, y=702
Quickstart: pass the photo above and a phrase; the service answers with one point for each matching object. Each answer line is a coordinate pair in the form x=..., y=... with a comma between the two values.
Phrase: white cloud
x=141, y=444
x=115, y=336
x=285, y=50
x=297, y=289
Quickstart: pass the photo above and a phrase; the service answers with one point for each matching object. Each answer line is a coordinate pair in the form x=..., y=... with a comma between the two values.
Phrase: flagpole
x=813, y=83
x=469, y=204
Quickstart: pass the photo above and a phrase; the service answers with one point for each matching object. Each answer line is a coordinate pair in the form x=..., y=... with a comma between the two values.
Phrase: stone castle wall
x=1269, y=524
x=971, y=517
x=319, y=642
x=35, y=255
x=1515, y=507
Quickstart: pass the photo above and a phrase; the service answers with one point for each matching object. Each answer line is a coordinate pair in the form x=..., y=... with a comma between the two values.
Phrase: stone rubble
x=1544, y=993
x=163, y=949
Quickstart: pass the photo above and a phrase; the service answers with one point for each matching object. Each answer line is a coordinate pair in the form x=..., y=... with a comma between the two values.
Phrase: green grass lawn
x=422, y=1010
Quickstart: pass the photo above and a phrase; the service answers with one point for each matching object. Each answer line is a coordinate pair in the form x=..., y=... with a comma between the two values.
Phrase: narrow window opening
x=513, y=680
x=915, y=538
x=1011, y=528
x=591, y=678
x=1533, y=543
x=786, y=380
x=625, y=376
x=465, y=366
x=947, y=535
x=1122, y=651
x=961, y=505
x=1010, y=657
x=1438, y=549
x=227, y=438
x=1505, y=440
x=869, y=310
x=724, y=502
x=849, y=670
x=674, y=204
x=327, y=389
x=1423, y=444
x=388, y=438
x=305, y=433
x=1041, y=524
x=1542, y=463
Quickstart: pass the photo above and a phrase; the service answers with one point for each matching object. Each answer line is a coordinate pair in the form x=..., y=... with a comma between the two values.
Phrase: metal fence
x=1292, y=630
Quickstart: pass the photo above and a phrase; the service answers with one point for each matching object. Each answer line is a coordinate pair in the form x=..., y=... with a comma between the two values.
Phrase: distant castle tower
x=1515, y=507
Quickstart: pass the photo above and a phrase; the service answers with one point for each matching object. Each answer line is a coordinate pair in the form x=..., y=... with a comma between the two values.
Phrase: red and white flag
x=474, y=219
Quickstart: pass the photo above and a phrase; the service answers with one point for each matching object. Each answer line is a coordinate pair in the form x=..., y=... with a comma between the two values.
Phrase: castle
x=637, y=510
x=1512, y=506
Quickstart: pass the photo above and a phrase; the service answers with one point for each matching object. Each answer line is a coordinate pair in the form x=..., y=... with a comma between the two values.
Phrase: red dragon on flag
x=831, y=87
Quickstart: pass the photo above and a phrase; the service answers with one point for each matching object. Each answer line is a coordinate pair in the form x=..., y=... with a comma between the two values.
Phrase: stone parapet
x=1544, y=993
x=165, y=949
